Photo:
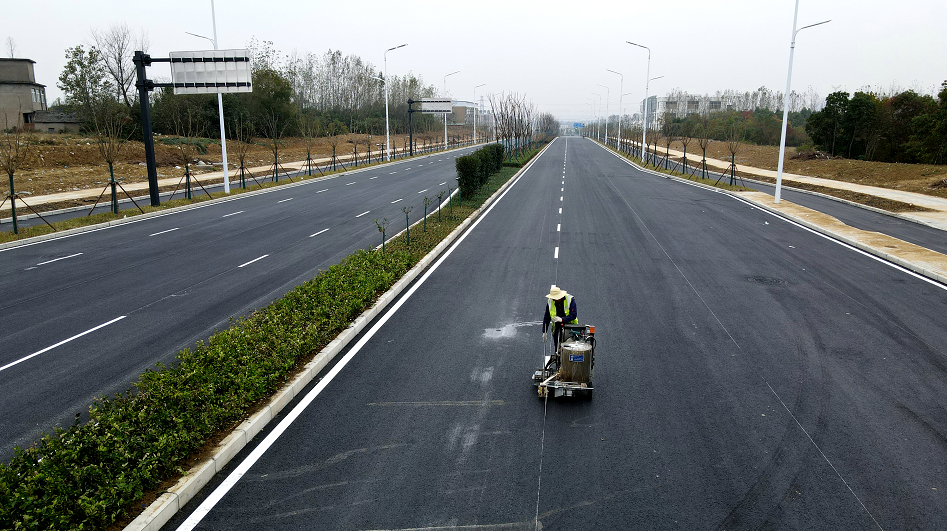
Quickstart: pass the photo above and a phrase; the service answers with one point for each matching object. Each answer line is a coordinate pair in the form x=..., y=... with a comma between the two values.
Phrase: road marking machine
x=569, y=369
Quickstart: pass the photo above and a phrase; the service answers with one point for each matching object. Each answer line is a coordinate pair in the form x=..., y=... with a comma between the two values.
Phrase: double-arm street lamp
x=387, y=134
x=445, y=115
x=644, y=130
x=598, y=122
x=621, y=87
x=782, y=140
x=607, y=97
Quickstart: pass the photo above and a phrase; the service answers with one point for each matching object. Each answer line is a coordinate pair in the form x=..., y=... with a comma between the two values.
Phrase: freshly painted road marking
x=164, y=231
x=392, y=173
x=396, y=200
x=58, y=259
x=285, y=200
x=562, y=189
x=351, y=183
x=320, y=191
x=560, y=210
x=63, y=342
x=556, y=253
x=375, y=177
x=559, y=227
x=254, y=260
x=422, y=191
x=560, y=198
x=363, y=213
x=233, y=214
x=443, y=183
x=318, y=233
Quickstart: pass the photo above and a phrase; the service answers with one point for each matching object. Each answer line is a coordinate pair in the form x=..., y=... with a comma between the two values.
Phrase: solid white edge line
x=318, y=233
x=63, y=342
x=232, y=214
x=254, y=260
x=555, y=253
x=228, y=483
x=285, y=200
x=58, y=259
x=363, y=213
x=164, y=231
x=796, y=223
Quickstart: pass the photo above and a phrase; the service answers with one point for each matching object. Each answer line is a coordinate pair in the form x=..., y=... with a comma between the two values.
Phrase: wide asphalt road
x=750, y=374
x=83, y=316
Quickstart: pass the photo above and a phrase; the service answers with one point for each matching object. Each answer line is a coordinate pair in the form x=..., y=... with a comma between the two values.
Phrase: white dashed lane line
x=285, y=200
x=443, y=183
x=559, y=227
x=232, y=214
x=555, y=253
x=164, y=231
x=422, y=191
x=350, y=184
x=375, y=177
x=363, y=213
x=396, y=200
x=254, y=260
x=318, y=233
x=58, y=259
x=320, y=191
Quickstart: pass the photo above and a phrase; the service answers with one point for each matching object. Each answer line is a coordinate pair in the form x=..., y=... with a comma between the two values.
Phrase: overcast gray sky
x=553, y=51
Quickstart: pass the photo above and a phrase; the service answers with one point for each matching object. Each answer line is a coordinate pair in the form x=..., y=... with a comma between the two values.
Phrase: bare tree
x=117, y=46
x=16, y=149
x=242, y=141
x=702, y=132
x=188, y=127
x=274, y=125
x=309, y=128
x=110, y=124
x=735, y=135
x=668, y=130
x=11, y=47
x=684, y=131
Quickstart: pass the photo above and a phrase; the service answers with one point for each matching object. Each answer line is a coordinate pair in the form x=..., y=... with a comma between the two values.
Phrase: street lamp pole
x=621, y=88
x=387, y=134
x=607, y=97
x=476, y=111
x=644, y=130
x=782, y=140
x=445, y=115
x=598, y=122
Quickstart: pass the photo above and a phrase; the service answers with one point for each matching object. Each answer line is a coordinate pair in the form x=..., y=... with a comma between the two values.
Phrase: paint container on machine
x=576, y=361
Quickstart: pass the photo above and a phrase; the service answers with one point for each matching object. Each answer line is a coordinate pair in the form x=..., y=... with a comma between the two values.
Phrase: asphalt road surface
x=84, y=316
x=750, y=374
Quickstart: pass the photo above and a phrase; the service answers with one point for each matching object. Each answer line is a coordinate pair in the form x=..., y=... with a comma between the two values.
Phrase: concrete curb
x=168, y=504
x=852, y=242
x=202, y=204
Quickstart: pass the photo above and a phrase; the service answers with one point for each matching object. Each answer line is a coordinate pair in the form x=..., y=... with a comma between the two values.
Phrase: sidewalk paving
x=936, y=219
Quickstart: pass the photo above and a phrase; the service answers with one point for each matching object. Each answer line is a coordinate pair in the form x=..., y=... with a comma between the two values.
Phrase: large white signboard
x=211, y=71
x=436, y=105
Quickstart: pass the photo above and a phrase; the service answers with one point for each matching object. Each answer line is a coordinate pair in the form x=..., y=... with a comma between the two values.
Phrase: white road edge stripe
x=58, y=259
x=241, y=469
x=254, y=260
x=63, y=342
x=318, y=233
x=164, y=231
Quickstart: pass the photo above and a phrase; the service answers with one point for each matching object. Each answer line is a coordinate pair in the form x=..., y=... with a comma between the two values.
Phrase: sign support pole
x=142, y=60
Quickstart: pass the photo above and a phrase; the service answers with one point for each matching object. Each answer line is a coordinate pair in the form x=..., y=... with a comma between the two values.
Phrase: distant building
x=20, y=95
x=658, y=107
x=55, y=122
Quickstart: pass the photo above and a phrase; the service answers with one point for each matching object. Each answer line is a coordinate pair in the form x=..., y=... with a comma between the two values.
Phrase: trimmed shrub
x=468, y=174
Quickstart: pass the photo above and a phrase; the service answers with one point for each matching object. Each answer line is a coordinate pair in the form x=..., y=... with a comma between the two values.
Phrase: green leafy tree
x=85, y=83
x=824, y=127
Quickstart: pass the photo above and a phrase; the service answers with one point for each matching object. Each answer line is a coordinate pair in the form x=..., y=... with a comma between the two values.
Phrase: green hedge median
x=90, y=475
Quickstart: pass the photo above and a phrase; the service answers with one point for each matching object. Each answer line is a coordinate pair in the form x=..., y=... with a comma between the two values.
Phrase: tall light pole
x=387, y=134
x=607, y=97
x=220, y=104
x=644, y=130
x=476, y=111
x=782, y=140
x=621, y=87
x=591, y=111
x=598, y=123
x=445, y=116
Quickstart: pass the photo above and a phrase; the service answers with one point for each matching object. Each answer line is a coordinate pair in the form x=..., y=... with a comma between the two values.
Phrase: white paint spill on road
x=63, y=342
x=58, y=259
x=254, y=260
x=164, y=232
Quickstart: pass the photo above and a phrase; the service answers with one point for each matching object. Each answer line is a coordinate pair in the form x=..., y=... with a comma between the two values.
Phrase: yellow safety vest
x=565, y=305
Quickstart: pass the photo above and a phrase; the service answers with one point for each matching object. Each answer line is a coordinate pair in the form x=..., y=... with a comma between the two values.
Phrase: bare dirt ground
x=918, y=178
x=61, y=163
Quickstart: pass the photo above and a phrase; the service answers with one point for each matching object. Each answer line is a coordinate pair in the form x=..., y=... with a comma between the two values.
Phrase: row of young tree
x=903, y=127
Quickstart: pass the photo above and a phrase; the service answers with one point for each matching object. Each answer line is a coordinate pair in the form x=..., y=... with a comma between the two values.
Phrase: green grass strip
x=91, y=474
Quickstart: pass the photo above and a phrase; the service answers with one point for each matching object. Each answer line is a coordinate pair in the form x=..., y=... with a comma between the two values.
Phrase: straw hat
x=555, y=293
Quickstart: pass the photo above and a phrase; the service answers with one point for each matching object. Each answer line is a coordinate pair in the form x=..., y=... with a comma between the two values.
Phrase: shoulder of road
x=920, y=260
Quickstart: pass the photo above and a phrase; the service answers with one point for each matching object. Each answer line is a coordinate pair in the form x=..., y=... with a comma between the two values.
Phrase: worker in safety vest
x=560, y=309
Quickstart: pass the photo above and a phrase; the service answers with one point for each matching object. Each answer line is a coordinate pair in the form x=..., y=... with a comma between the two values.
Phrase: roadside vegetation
x=95, y=474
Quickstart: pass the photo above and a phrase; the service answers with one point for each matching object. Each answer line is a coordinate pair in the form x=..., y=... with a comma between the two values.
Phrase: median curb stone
x=169, y=503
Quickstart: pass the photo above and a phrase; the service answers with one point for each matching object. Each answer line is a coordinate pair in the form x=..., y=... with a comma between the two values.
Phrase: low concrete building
x=55, y=122
x=20, y=95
